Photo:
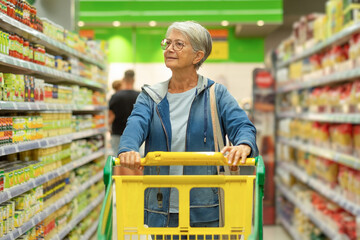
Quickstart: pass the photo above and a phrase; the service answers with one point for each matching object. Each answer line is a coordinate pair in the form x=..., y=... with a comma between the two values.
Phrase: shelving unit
x=48, y=142
x=12, y=25
x=57, y=205
x=339, y=73
x=90, y=231
x=321, y=187
x=17, y=190
x=327, y=230
x=353, y=118
x=293, y=233
x=63, y=232
x=50, y=75
x=41, y=106
x=338, y=38
x=329, y=79
x=348, y=160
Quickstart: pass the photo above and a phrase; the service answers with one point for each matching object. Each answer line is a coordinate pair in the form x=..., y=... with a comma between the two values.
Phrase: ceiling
x=244, y=14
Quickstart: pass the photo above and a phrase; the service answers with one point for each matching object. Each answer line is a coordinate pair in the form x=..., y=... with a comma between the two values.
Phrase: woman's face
x=176, y=58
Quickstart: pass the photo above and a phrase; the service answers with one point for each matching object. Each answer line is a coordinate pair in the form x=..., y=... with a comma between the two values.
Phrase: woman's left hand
x=235, y=153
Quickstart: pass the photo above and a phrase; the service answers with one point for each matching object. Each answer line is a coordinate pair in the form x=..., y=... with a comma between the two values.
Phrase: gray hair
x=198, y=36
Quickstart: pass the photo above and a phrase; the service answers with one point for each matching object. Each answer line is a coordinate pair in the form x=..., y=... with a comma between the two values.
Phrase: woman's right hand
x=130, y=160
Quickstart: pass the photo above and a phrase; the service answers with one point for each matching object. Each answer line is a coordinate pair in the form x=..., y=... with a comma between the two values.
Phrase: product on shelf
x=21, y=209
x=84, y=225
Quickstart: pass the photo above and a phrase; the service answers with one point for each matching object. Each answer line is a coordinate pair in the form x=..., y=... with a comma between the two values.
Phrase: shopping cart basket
x=238, y=199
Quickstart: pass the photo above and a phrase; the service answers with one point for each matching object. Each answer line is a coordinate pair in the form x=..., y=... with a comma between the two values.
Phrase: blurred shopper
x=116, y=85
x=175, y=116
x=120, y=107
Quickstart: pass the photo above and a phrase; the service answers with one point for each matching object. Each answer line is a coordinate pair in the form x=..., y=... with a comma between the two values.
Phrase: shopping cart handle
x=187, y=159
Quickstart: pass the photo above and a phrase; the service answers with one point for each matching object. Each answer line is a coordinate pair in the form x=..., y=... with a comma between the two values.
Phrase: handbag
x=219, y=144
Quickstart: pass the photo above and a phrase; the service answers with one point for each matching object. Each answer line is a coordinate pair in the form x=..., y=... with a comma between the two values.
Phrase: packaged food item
x=356, y=135
x=341, y=138
x=334, y=12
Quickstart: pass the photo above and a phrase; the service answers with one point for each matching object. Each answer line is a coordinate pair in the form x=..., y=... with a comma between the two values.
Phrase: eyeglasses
x=178, y=45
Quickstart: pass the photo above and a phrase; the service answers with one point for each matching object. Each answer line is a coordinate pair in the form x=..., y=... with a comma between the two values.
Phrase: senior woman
x=175, y=116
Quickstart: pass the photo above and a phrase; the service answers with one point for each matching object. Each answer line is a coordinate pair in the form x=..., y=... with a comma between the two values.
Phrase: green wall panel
x=135, y=11
x=147, y=46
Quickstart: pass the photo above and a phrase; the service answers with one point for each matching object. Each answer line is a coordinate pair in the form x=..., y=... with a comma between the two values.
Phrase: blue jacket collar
x=158, y=91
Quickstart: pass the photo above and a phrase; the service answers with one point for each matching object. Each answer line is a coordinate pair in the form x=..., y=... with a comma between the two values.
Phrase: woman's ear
x=198, y=56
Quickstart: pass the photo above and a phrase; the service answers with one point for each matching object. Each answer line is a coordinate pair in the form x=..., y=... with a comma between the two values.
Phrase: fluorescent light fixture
x=225, y=23
x=116, y=23
x=81, y=23
x=260, y=23
x=152, y=23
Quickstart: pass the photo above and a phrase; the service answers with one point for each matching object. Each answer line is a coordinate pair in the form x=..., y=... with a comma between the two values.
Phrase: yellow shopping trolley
x=238, y=199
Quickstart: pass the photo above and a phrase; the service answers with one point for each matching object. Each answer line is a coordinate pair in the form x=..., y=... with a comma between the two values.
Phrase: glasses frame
x=164, y=45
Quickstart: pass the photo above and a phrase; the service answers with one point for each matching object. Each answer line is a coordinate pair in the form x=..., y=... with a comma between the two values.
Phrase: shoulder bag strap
x=218, y=139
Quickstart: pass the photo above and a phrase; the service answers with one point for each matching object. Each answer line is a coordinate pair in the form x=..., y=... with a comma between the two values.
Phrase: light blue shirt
x=179, y=104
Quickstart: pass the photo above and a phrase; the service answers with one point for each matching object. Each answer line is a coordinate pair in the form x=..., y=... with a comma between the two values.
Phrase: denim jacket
x=150, y=122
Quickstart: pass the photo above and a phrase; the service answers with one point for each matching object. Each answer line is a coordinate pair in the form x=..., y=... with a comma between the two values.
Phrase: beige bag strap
x=218, y=139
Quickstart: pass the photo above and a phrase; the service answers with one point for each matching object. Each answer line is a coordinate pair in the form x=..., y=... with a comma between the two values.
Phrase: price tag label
x=8, y=105
x=43, y=143
x=8, y=194
x=9, y=150
x=21, y=106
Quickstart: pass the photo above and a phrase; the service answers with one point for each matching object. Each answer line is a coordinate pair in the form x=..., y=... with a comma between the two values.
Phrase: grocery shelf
x=7, y=194
x=264, y=91
x=55, y=206
x=322, y=188
x=345, y=159
x=65, y=231
x=290, y=229
x=308, y=211
x=12, y=25
x=328, y=79
x=323, y=117
x=48, y=142
x=41, y=143
x=41, y=106
x=88, y=108
x=337, y=38
x=51, y=74
x=90, y=232
x=88, y=133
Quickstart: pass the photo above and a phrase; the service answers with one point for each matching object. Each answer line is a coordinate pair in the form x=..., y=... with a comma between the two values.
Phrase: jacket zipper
x=162, y=124
x=167, y=146
x=188, y=126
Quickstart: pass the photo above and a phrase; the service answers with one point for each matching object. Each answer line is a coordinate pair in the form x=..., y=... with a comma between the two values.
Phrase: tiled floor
x=275, y=232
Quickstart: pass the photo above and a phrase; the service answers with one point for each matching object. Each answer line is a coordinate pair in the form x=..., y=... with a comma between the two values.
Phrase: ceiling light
x=152, y=23
x=225, y=23
x=260, y=23
x=116, y=23
x=81, y=23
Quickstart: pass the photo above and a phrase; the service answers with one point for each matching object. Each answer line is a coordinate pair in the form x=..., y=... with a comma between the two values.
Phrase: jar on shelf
x=31, y=53
x=39, y=54
x=59, y=64
x=11, y=44
x=26, y=50
x=21, y=48
x=3, y=7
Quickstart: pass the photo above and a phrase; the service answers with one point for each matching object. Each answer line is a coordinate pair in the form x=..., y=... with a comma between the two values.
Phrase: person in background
x=116, y=85
x=120, y=107
x=175, y=116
